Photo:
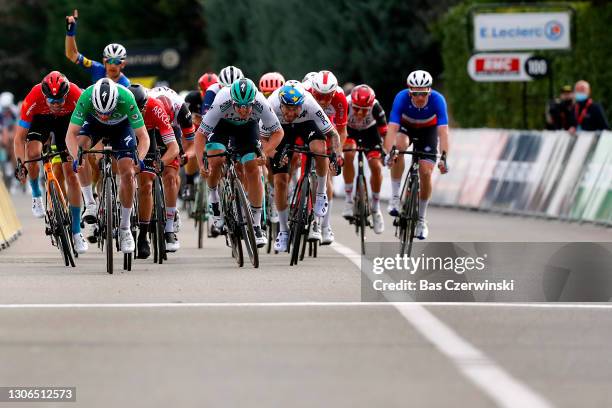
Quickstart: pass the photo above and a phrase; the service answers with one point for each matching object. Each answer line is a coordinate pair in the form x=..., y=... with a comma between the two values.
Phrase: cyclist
x=418, y=114
x=227, y=76
x=180, y=116
x=233, y=119
x=161, y=134
x=107, y=111
x=307, y=80
x=300, y=116
x=366, y=126
x=325, y=89
x=113, y=60
x=206, y=80
x=45, y=110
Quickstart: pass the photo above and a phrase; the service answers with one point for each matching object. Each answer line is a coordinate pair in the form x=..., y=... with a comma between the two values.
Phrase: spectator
x=559, y=115
x=348, y=88
x=588, y=115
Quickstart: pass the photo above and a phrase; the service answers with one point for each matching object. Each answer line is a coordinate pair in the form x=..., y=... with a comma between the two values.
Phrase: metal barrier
x=10, y=227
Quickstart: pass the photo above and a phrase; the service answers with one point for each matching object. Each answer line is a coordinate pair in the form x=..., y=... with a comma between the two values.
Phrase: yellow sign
x=147, y=82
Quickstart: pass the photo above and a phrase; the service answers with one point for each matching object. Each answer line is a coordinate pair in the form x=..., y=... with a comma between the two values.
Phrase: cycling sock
x=395, y=187
x=213, y=194
x=88, y=194
x=170, y=211
x=423, y=209
x=35, y=188
x=189, y=178
x=348, y=189
x=283, y=217
x=143, y=226
x=256, y=216
x=375, y=202
x=321, y=184
x=125, y=218
x=76, y=219
x=327, y=217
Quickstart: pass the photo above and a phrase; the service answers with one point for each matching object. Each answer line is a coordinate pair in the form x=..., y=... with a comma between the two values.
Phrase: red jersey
x=155, y=117
x=35, y=103
x=337, y=110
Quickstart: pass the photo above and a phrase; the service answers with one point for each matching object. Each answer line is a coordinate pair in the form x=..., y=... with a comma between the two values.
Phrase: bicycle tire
x=362, y=195
x=108, y=219
x=299, y=223
x=233, y=218
x=201, y=211
x=408, y=213
x=160, y=215
x=60, y=228
x=248, y=234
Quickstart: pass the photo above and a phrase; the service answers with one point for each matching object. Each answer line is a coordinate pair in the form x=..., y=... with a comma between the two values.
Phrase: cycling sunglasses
x=52, y=101
x=113, y=61
x=419, y=93
x=243, y=106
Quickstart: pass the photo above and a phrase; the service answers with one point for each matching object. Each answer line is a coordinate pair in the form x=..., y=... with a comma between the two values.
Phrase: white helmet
x=104, y=96
x=324, y=82
x=419, y=79
x=115, y=51
x=7, y=99
x=229, y=74
x=309, y=76
x=295, y=83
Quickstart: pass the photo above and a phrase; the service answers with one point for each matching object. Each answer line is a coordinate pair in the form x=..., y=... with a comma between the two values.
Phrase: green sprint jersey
x=126, y=108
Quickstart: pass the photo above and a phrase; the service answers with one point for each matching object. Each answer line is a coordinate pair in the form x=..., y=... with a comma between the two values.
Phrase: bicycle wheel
x=233, y=219
x=201, y=211
x=61, y=224
x=160, y=223
x=246, y=224
x=409, y=217
x=299, y=220
x=109, y=212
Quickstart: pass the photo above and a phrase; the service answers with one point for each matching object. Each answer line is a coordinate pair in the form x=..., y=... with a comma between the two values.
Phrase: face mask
x=580, y=96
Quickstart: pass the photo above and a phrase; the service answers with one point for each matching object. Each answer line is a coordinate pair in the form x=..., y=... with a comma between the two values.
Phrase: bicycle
x=108, y=211
x=408, y=216
x=200, y=213
x=236, y=210
x=361, y=202
x=272, y=228
x=57, y=218
x=301, y=214
x=157, y=225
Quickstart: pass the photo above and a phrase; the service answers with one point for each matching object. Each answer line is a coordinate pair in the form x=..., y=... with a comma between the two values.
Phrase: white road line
x=499, y=385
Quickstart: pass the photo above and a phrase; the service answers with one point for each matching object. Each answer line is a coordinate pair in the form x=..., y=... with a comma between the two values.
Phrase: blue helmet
x=291, y=95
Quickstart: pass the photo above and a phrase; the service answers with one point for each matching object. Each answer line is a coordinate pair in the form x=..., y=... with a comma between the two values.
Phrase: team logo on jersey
x=322, y=117
x=131, y=107
x=135, y=116
x=86, y=62
x=128, y=139
x=258, y=107
x=224, y=106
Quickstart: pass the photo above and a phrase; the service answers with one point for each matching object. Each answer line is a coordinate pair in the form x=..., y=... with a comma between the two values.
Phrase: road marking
x=493, y=380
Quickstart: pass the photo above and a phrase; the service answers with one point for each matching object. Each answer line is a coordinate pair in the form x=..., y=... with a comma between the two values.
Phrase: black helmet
x=194, y=102
x=140, y=95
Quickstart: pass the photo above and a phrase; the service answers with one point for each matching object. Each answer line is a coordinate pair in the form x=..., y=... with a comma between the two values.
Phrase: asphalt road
x=198, y=331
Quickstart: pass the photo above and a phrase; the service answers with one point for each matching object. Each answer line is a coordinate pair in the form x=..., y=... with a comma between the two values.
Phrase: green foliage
x=373, y=41
x=478, y=104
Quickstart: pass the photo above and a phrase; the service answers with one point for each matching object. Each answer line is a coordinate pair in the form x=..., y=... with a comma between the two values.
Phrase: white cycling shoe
x=315, y=232
x=282, y=241
x=379, y=222
x=347, y=211
x=177, y=221
x=90, y=213
x=394, y=204
x=127, y=241
x=327, y=236
x=321, y=205
x=261, y=240
x=80, y=244
x=38, y=209
x=422, y=231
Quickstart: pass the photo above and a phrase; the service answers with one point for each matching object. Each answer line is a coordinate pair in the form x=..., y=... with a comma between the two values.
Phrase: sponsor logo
x=498, y=65
x=135, y=116
x=553, y=30
x=322, y=117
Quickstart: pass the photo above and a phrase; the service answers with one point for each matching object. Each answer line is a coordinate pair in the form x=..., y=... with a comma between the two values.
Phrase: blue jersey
x=405, y=114
x=98, y=71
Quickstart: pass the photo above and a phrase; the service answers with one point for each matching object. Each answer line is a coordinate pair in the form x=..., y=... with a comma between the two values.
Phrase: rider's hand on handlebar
x=21, y=172
x=442, y=164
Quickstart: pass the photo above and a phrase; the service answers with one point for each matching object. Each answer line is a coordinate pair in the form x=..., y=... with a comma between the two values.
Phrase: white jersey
x=223, y=109
x=170, y=99
x=311, y=111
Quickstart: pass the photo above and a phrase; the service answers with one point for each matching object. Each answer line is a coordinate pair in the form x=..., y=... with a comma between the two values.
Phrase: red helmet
x=270, y=82
x=363, y=96
x=207, y=80
x=55, y=85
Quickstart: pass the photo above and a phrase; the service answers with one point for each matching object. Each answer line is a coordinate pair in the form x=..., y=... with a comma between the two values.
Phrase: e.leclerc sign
x=522, y=31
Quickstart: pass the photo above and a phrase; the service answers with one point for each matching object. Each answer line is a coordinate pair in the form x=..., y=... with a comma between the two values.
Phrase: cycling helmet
x=207, y=80
x=104, y=96
x=229, y=74
x=324, y=82
x=140, y=95
x=55, y=85
x=419, y=79
x=291, y=95
x=309, y=76
x=363, y=96
x=193, y=100
x=7, y=99
x=270, y=82
x=243, y=91
x=114, y=51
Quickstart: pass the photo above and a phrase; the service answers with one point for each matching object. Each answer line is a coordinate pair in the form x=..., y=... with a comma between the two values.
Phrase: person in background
x=348, y=88
x=588, y=115
x=559, y=112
